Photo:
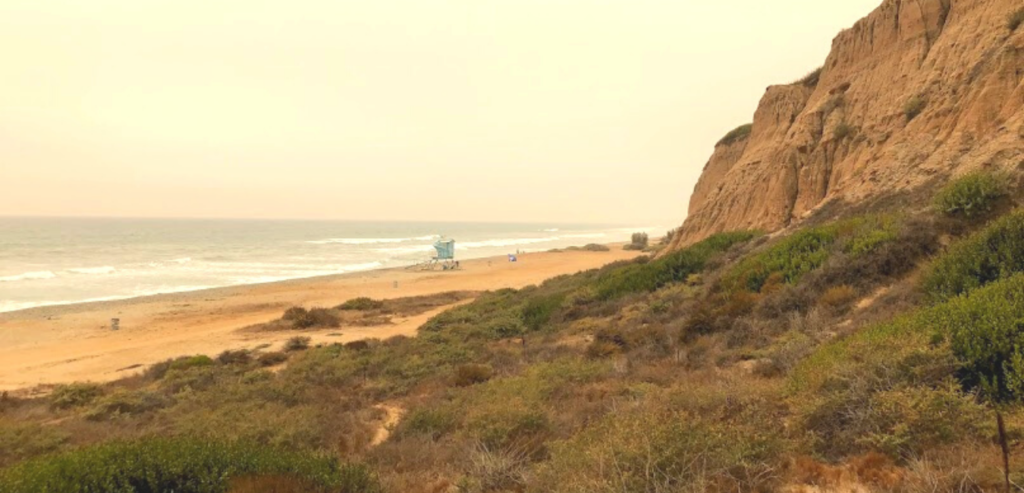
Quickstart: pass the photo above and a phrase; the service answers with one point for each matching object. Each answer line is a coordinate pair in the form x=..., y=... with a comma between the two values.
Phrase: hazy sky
x=503, y=110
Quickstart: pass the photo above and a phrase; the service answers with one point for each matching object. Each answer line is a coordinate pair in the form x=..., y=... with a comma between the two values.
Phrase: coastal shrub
x=20, y=440
x=234, y=357
x=838, y=298
x=843, y=130
x=317, y=318
x=1015, y=19
x=433, y=422
x=903, y=368
x=673, y=267
x=638, y=242
x=538, y=310
x=472, y=374
x=971, y=195
x=361, y=304
x=789, y=259
x=812, y=79
x=159, y=370
x=591, y=247
x=294, y=313
x=127, y=402
x=993, y=253
x=272, y=358
x=913, y=107
x=735, y=135
x=297, y=343
x=182, y=465
x=74, y=395
x=694, y=440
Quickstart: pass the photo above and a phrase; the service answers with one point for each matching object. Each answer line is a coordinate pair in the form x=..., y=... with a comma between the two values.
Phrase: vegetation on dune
x=181, y=465
x=673, y=267
x=740, y=363
x=1015, y=19
x=993, y=253
x=638, y=242
x=735, y=135
x=812, y=78
x=913, y=107
x=362, y=303
x=972, y=195
x=791, y=258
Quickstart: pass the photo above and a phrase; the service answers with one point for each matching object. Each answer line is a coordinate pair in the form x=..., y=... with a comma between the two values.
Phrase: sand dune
x=74, y=342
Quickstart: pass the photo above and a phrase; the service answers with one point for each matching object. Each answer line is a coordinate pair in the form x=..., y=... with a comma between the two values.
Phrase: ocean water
x=47, y=261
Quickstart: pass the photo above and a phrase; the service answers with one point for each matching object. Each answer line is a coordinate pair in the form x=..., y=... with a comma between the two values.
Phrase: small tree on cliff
x=992, y=353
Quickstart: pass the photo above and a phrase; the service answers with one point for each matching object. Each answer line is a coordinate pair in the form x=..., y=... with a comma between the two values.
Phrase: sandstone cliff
x=918, y=90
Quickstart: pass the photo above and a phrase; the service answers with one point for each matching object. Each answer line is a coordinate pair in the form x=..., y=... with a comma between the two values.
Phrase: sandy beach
x=65, y=343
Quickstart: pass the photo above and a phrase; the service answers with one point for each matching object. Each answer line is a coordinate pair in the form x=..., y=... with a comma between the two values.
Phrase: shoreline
x=215, y=289
x=73, y=342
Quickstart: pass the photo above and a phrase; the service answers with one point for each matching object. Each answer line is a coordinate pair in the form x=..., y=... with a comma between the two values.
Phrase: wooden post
x=115, y=324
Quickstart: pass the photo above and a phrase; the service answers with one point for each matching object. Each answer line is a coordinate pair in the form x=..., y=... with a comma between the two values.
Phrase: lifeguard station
x=445, y=257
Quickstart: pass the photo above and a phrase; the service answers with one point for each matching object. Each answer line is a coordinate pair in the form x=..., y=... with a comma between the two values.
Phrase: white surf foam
x=106, y=269
x=28, y=276
x=368, y=241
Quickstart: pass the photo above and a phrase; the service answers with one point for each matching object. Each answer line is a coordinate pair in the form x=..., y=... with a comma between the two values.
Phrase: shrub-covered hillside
x=859, y=353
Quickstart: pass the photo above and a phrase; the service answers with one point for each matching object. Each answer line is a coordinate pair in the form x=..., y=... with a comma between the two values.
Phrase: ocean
x=49, y=261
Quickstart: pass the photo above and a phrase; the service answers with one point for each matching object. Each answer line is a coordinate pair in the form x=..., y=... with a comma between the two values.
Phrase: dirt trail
x=392, y=415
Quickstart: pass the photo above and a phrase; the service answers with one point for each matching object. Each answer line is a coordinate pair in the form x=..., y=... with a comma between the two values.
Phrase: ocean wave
x=368, y=241
x=586, y=235
x=550, y=230
x=505, y=242
x=106, y=269
x=11, y=306
x=27, y=276
x=405, y=250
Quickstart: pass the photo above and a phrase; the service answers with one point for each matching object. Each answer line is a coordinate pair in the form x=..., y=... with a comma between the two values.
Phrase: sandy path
x=74, y=343
x=392, y=415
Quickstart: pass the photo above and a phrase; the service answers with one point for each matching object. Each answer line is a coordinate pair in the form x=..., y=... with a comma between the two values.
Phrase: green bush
x=689, y=443
x=791, y=258
x=272, y=358
x=74, y=395
x=971, y=195
x=159, y=370
x=812, y=79
x=181, y=465
x=361, y=304
x=126, y=402
x=887, y=386
x=843, y=130
x=638, y=242
x=986, y=333
x=432, y=422
x=234, y=357
x=913, y=107
x=673, y=267
x=317, y=318
x=297, y=343
x=472, y=374
x=1015, y=20
x=20, y=440
x=991, y=254
x=294, y=313
x=735, y=135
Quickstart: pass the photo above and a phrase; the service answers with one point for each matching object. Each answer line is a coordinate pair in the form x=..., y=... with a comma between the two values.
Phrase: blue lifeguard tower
x=444, y=258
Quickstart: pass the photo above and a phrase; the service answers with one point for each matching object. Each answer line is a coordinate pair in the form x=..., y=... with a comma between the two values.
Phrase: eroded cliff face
x=849, y=137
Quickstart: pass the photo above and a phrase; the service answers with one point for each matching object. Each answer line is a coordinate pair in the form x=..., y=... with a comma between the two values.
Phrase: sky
x=598, y=111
